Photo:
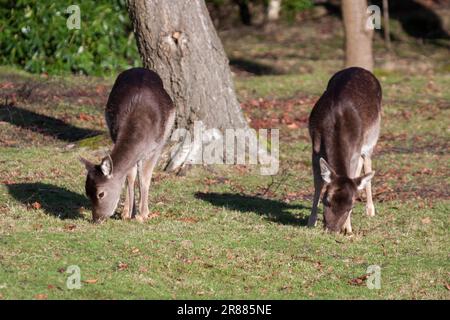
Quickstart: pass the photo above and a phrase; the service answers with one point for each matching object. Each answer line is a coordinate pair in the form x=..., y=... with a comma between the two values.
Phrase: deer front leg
x=370, y=208
x=145, y=176
x=347, y=228
x=318, y=184
x=129, y=195
x=359, y=167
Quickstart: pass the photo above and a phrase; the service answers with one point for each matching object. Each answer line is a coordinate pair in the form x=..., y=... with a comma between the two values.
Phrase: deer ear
x=325, y=171
x=87, y=164
x=362, y=181
x=107, y=166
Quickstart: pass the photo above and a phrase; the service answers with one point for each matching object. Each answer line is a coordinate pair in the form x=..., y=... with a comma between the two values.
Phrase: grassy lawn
x=226, y=231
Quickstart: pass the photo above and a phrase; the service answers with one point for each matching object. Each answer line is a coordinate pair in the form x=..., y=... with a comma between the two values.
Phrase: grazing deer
x=140, y=116
x=344, y=126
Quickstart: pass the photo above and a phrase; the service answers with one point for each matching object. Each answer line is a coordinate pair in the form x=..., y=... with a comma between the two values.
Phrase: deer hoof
x=370, y=211
x=140, y=218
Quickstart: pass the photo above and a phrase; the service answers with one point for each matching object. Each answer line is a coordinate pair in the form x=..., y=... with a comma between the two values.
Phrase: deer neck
x=339, y=155
x=125, y=156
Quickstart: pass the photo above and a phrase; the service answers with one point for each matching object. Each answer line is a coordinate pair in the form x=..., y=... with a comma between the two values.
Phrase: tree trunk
x=387, y=29
x=358, y=38
x=273, y=10
x=177, y=39
x=244, y=12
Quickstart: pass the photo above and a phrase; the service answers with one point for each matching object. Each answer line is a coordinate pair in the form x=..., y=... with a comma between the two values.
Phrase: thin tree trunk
x=244, y=12
x=387, y=31
x=358, y=39
x=177, y=39
x=273, y=11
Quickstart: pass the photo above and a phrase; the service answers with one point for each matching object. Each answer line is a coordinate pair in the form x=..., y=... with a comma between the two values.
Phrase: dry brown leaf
x=153, y=215
x=122, y=266
x=135, y=250
x=36, y=205
x=143, y=269
x=70, y=227
x=90, y=281
x=426, y=220
x=188, y=220
x=41, y=296
x=359, y=281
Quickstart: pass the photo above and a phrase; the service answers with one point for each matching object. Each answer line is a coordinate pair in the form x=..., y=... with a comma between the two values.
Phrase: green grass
x=224, y=232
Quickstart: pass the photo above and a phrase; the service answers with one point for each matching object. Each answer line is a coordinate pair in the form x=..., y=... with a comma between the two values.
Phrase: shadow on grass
x=55, y=201
x=273, y=210
x=43, y=124
x=253, y=67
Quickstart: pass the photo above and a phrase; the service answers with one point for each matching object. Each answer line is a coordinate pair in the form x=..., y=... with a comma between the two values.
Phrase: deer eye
x=101, y=195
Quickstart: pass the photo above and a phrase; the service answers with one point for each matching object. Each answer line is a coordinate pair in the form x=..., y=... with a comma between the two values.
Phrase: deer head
x=340, y=194
x=102, y=188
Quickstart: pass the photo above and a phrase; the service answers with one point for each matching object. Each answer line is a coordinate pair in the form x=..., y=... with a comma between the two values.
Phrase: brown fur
x=139, y=115
x=343, y=123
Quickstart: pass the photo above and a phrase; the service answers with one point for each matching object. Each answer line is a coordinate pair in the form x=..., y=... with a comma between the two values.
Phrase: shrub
x=34, y=35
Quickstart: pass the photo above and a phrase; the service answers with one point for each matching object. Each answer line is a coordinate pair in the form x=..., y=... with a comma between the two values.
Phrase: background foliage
x=34, y=35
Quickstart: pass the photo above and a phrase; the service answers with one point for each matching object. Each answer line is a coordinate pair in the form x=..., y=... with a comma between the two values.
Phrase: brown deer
x=344, y=126
x=140, y=116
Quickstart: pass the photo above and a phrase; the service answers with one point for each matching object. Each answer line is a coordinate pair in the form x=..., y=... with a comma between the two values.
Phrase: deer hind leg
x=145, y=172
x=370, y=208
x=318, y=184
x=129, y=206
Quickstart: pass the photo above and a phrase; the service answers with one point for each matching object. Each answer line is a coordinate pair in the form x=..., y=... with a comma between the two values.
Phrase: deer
x=344, y=126
x=139, y=115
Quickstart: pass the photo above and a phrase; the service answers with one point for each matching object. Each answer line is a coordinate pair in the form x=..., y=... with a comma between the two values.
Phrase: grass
x=224, y=232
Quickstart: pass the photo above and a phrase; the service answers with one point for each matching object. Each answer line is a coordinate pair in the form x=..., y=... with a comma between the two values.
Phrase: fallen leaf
x=70, y=227
x=188, y=220
x=135, y=250
x=122, y=266
x=153, y=215
x=143, y=269
x=447, y=286
x=426, y=220
x=359, y=281
x=37, y=226
x=50, y=286
x=36, y=205
x=90, y=281
x=41, y=296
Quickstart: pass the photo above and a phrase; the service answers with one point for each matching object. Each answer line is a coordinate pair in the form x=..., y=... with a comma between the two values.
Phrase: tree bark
x=358, y=38
x=177, y=39
x=387, y=29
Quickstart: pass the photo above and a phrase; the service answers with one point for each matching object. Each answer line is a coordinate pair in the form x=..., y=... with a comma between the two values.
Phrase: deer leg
x=318, y=184
x=370, y=208
x=145, y=176
x=129, y=207
x=359, y=167
x=347, y=228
